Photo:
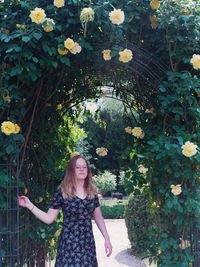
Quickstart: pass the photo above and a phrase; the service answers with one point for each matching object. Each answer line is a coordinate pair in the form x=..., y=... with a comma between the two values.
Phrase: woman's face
x=81, y=169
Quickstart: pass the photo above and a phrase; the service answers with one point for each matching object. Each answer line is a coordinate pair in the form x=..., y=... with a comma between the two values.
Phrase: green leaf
x=9, y=149
x=37, y=35
x=35, y=59
x=26, y=39
x=54, y=63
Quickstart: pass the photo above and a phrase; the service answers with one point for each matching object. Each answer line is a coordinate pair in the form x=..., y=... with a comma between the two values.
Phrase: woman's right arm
x=46, y=217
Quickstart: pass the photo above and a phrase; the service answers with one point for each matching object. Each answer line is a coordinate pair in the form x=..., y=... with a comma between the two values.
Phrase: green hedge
x=113, y=209
x=137, y=223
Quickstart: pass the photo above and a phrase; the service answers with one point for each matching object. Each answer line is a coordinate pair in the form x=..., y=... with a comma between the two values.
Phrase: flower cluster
x=128, y=130
x=106, y=54
x=38, y=15
x=154, y=4
x=8, y=127
x=59, y=106
x=125, y=55
x=142, y=169
x=101, y=151
x=72, y=46
x=75, y=153
x=117, y=16
x=138, y=132
x=87, y=14
x=189, y=149
x=195, y=60
x=49, y=26
x=154, y=23
x=59, y=3
x=176, y=189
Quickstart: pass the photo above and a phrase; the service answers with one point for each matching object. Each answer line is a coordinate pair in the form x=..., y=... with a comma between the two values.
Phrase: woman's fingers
x=108, y=249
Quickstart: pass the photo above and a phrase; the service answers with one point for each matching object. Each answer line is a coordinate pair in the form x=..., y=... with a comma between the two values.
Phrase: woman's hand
x=108, y=247
x=24, y=202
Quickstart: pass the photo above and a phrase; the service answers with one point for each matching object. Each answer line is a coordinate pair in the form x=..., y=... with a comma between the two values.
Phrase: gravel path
x=121, y=256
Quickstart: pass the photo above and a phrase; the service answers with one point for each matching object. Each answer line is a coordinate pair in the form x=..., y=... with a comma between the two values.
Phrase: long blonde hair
x=68, y=185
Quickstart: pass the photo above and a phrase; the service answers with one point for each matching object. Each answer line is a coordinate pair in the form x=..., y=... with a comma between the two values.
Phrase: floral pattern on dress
x=76, y=245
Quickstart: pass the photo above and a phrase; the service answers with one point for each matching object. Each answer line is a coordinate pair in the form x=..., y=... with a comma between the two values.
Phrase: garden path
x=121, y=256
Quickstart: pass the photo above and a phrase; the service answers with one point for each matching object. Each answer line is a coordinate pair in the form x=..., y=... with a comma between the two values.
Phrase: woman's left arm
x=102, y=227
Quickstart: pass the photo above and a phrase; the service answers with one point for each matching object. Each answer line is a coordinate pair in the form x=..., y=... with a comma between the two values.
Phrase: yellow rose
x=57, y=233
x=125, y=56
x=153, y=19
x=40, y=199
x=128, y=130
x=23, y=27
x=17, y=129
x=189, y=149
x=154, y=4
x=117, y=16
x=137, y=132
x=62, y=52
x=142, y=169
x=48, y=26
x=25, y=191
x=18, y=25
x=87, y=14
x=195, y=60
x=59, y=106
x=59, y=3
x=38, y=15
x=101, y=151
x=106, y=54
x=7, y=97
x=74, y=154
x=142, y=135
x=176, y=189
x=75, y=49
x=7, y=127
x=69, y=43
x=52, y=242
x=154, y=205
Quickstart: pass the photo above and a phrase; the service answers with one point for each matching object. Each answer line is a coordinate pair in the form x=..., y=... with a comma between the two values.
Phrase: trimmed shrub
x=137, y=223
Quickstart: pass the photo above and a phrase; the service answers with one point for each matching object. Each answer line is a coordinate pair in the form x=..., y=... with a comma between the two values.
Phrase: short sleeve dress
x=76, y=245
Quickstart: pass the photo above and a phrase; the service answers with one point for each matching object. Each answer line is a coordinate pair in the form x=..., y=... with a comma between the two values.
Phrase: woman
x=78, y=199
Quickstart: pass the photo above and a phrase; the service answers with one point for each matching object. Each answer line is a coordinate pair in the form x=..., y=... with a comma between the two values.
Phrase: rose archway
x=53, y=56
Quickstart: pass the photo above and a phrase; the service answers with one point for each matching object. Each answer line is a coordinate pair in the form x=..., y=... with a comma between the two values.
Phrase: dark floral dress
x=76, y=245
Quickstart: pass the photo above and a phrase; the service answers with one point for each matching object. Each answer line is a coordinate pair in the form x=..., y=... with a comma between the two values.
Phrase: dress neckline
x=81, y=198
